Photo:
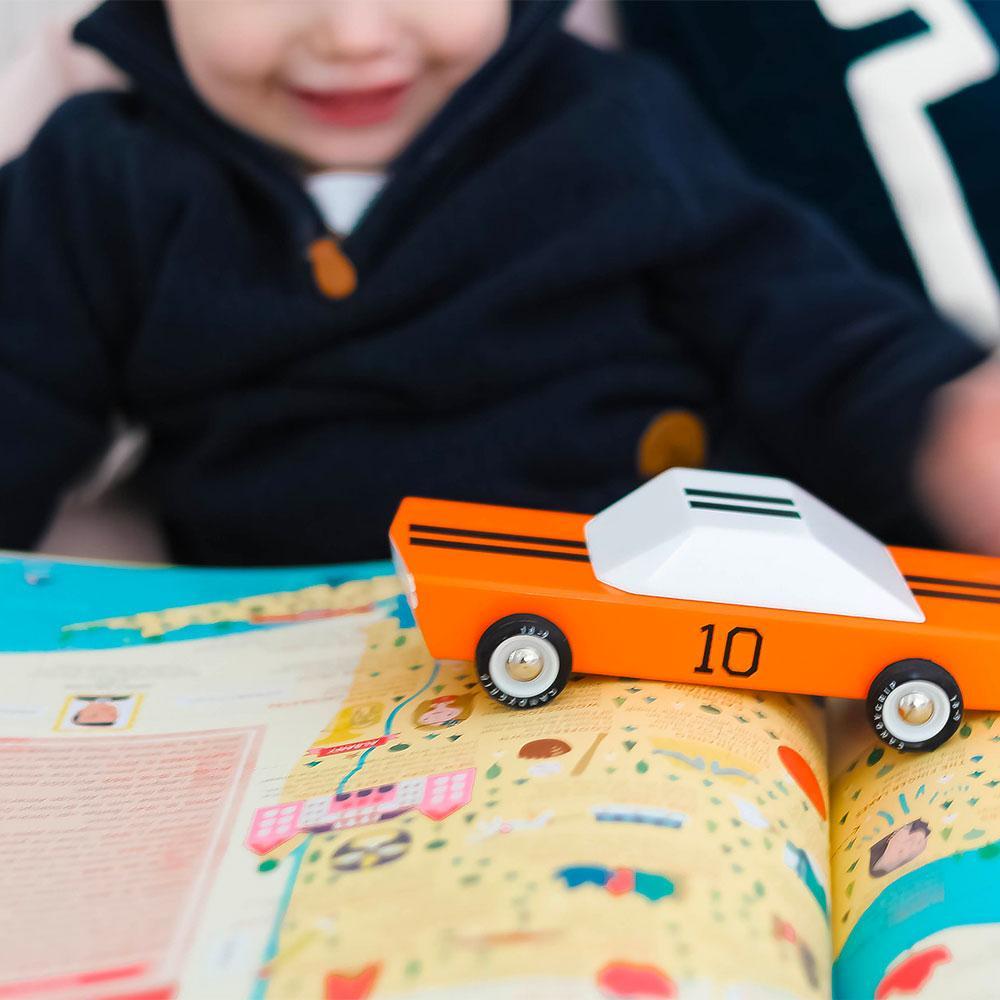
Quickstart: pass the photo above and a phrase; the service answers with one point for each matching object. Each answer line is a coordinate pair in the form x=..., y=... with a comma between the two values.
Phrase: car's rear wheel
x=523, y=661
x=914, y=705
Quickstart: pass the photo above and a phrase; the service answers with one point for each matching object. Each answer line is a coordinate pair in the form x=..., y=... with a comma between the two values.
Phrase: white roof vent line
x=755, y=541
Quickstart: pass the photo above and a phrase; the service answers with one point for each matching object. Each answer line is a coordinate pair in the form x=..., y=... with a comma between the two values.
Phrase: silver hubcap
x=915, y=711
x=524, y=664
x=915, y=708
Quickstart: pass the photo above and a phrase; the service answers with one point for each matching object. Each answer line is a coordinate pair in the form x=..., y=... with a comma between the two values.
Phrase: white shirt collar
x=343, y=197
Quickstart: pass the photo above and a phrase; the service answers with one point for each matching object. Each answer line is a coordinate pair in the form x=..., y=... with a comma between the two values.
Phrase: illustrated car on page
x=709, y=578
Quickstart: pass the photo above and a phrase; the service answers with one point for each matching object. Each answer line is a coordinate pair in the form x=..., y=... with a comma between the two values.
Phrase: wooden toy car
x=708, y=578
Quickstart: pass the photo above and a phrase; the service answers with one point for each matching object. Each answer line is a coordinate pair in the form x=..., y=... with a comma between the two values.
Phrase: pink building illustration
x=436, y=796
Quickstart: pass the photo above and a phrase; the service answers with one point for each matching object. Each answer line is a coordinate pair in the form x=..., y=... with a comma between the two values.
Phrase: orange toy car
x=708, y=578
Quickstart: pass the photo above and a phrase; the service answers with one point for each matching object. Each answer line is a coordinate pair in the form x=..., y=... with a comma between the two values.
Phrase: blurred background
x=22, y=20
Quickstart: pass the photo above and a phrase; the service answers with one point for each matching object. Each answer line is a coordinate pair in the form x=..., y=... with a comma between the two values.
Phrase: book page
x=632, y=838
x=92, y=827
x=915, y=856
x=305, y=804
x=128, y=776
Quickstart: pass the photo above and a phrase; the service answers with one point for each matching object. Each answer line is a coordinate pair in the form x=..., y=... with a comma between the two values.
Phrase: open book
x=221, y=783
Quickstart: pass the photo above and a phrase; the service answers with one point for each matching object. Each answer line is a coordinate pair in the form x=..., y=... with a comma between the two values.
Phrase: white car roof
x=757, y=541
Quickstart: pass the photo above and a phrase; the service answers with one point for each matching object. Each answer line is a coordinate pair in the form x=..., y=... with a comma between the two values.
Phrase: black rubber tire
x=522, y=624
x=913, y=670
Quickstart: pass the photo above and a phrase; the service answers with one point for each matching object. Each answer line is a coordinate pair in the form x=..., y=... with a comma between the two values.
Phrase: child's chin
x=338, y=149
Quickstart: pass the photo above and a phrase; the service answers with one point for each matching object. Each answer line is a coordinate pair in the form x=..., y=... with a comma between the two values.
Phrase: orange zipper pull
x=332, y=269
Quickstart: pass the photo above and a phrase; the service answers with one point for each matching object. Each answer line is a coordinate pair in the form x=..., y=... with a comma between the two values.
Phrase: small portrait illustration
x=98, y=711
x=898, y=848
x=445, y=710
x=352, y=720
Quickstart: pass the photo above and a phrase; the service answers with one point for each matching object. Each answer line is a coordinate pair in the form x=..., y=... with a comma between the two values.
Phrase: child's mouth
x=352, y=107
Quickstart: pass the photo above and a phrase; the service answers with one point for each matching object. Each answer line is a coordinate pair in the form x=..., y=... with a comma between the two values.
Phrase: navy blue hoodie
x=564, y=252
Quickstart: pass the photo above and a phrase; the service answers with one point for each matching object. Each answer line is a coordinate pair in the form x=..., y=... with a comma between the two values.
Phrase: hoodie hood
x=135, y=36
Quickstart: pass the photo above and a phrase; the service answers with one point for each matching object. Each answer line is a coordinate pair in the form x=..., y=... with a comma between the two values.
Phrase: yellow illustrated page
x=915, y=856
x=320, y=810
x=632, y=839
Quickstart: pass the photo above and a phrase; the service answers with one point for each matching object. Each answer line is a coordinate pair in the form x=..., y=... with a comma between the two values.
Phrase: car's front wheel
x=914, y=705
x=523, y=661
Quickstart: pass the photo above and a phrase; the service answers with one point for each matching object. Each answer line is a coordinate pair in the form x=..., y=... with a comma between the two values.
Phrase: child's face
x=439, y=714
x=336, y=83
x=97, y=713
x=903, y=847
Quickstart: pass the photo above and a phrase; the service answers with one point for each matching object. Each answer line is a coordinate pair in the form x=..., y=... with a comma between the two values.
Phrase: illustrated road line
x=387, y=729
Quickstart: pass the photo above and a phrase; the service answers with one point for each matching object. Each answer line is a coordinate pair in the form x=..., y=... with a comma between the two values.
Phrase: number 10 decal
x=738, y=659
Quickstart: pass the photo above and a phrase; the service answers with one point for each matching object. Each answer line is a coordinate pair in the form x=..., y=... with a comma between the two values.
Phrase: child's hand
x=958, y=466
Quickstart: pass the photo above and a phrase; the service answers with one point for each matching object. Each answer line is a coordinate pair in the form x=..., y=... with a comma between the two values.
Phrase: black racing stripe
x=509, y=550
x=499, y=536
x=738, y=496
x=938, y=582
x=702, y=505
x=980, y=598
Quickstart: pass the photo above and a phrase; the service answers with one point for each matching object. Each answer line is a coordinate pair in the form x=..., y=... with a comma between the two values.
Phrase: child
x=542, y=278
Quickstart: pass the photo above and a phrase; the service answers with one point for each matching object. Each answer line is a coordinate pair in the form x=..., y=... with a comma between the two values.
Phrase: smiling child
x=331, y=252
